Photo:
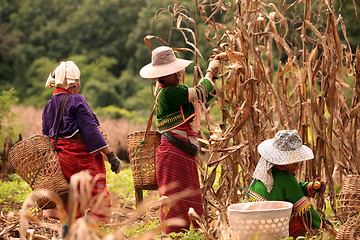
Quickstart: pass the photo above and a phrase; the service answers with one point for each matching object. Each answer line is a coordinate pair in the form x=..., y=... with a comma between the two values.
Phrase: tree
x=37, y=75
x=109, y=37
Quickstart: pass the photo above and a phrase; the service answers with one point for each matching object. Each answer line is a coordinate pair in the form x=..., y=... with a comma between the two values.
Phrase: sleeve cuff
x=212, y=83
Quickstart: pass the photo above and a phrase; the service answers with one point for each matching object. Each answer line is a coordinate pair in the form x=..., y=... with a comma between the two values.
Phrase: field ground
x=14, y=191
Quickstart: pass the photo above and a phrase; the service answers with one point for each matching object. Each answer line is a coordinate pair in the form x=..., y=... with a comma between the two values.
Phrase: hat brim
x=275, y=156
x=151, y=71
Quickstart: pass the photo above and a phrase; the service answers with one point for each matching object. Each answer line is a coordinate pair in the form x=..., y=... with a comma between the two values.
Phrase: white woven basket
x=267, y=220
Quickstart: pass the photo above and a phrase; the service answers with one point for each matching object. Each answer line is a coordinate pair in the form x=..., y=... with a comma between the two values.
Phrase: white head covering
x=285, y=148
x=65, y=75
x=163, y=63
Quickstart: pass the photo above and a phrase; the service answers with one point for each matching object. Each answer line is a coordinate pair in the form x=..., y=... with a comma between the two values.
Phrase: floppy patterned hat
x=285, y=148
x=163, y=63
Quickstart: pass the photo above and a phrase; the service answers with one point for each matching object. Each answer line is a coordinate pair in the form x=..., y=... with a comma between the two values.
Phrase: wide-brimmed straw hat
x=163, y=63
x=285, y=148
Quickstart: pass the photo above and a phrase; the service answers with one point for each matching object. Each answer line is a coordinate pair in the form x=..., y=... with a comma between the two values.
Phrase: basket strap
x=63, y=104
x=148, y=127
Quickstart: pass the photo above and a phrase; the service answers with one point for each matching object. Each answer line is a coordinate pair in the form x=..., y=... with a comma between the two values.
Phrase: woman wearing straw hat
x=274, y=180
x=177, y=107
x=79, y=142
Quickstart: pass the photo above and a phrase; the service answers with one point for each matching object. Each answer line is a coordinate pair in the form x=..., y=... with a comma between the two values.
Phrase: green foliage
x=7, y=98
x=35, y=88
x=13, y=192
x=114, y=112
x=121, y=185
x=105, y=39
x=98, y=83
x=142, y=99
x=145, y=26
x=141, y=228
x=190, y=234
x=350, y=11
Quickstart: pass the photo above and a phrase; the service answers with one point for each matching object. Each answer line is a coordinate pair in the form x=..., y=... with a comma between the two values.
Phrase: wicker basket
x=35, y=161
x=268, y=220
x=349, y=198
x=142, y=152
x=350, y=230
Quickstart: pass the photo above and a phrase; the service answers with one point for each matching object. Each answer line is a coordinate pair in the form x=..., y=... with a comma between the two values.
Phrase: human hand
x=318, y=186
x=222, y=56
x=114, y=162
x=214, y=67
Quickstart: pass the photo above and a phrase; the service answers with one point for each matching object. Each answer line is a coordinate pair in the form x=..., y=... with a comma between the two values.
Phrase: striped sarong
x=75, y=157
x=177, y=173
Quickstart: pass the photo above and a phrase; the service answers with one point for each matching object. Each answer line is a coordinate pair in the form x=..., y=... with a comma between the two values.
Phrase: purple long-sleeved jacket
x=77, y=118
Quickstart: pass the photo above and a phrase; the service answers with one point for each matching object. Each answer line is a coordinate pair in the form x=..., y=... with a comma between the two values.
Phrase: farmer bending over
x=274, y=180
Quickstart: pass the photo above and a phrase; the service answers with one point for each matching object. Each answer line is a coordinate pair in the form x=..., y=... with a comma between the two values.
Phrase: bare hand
x=214, y=67
x=318, y=185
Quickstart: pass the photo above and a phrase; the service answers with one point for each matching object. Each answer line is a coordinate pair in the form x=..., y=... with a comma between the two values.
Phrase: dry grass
x=27, y=120
x=117, y=131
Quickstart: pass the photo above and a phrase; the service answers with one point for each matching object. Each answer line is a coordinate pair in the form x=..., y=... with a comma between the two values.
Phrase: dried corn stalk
x=286, y=69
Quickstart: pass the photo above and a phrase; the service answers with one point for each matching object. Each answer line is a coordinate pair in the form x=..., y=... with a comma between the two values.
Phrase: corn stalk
x=286, y=69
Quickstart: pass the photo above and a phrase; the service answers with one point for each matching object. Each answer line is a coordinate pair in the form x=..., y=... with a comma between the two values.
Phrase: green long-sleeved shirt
x=286, y=188
x=174, y=107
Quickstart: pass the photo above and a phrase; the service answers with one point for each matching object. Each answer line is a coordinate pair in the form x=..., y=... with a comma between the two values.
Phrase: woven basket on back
x=35, y=161
x=349, y=198
x=142, y=152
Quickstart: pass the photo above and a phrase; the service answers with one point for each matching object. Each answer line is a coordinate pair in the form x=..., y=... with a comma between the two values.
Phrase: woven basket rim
x=28, y=138
x=141, y=132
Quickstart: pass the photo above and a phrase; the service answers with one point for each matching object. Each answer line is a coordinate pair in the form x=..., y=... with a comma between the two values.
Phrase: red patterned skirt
x=177, y=174
x=75, y=157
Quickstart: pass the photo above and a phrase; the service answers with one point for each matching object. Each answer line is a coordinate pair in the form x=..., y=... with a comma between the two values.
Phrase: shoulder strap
x=63, y=104
x=148, y=127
